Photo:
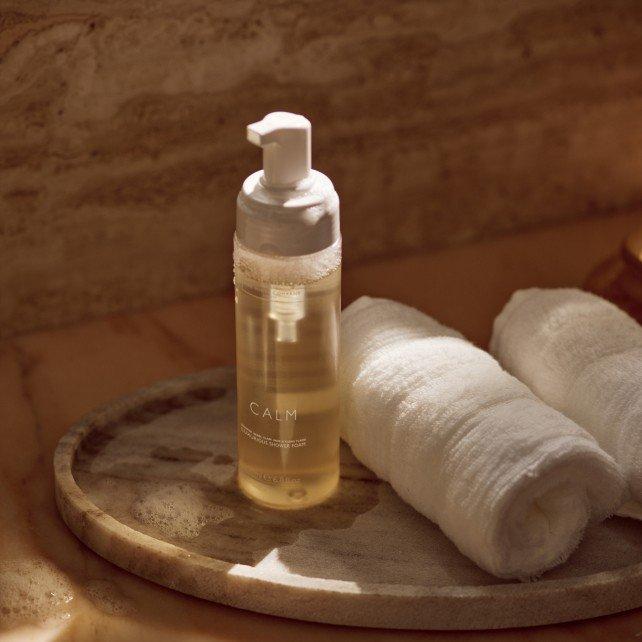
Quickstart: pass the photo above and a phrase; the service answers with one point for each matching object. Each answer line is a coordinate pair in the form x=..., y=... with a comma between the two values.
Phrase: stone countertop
x=49, y=379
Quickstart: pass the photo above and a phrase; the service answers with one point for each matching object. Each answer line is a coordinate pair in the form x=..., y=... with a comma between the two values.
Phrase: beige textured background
x=122, y=131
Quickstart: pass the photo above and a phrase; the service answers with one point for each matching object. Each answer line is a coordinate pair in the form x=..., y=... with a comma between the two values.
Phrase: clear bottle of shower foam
x=287, y=277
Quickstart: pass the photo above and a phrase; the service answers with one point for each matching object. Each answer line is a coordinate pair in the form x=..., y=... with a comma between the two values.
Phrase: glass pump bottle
x=287, y=276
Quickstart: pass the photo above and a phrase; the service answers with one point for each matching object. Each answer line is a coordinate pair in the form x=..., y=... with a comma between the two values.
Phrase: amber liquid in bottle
x=287, y=346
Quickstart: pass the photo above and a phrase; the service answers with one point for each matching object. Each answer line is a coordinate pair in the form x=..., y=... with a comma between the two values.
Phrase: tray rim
x=86, y=520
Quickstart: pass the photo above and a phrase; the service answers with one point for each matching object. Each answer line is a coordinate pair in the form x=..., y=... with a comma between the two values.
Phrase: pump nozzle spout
x=286, y=142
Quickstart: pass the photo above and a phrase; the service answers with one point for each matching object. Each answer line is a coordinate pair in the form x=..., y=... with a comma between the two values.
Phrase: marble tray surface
x=148, y=483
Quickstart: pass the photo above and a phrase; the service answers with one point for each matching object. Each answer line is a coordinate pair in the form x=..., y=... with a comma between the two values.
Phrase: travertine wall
x=122, y=131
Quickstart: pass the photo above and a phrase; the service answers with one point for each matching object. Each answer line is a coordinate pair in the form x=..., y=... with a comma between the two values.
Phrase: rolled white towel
x=583, y=356
x=509, y=480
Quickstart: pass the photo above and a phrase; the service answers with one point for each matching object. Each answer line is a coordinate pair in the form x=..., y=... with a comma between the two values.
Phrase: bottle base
x=314, y=491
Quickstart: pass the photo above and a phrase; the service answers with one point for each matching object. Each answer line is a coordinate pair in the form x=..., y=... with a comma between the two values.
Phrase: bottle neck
x=288, y=222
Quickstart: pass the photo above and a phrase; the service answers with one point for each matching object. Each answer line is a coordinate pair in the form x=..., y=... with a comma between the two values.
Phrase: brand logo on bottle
x=275, y=414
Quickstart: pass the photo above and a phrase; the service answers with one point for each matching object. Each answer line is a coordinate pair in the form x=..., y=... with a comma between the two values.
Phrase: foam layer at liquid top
x=287, y=270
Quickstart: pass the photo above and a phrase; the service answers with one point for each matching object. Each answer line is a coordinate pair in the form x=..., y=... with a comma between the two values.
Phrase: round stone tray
x=148, y=483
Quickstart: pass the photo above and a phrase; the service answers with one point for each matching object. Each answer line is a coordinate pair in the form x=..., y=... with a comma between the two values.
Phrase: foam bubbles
x=106, y=596
x=178, y=510
x=286, y=270
x=33, y=591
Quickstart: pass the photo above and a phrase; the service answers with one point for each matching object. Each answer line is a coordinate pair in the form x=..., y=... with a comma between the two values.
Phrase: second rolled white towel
x=583, y=356
x=512, y=482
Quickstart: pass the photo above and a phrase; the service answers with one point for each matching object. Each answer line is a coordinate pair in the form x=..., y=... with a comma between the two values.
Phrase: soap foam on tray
x=178, y=511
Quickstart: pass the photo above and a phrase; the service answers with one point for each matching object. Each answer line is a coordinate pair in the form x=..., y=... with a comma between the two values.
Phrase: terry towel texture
x=583, y=356
x=509, y=480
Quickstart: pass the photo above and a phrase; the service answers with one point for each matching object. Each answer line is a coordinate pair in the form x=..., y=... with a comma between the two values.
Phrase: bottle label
x=265, y=413
x=270, y=441
x=274, y=414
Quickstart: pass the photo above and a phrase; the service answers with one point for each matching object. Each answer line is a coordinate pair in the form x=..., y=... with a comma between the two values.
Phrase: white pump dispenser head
x=287, y=208
x=286, y=142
